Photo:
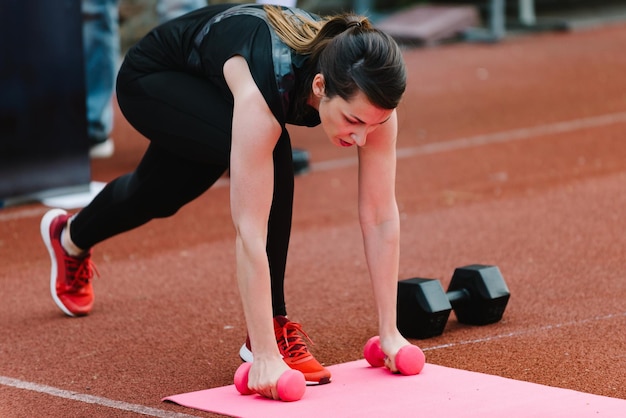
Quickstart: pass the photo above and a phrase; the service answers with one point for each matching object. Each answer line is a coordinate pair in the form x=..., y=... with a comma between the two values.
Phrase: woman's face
x=347, y=123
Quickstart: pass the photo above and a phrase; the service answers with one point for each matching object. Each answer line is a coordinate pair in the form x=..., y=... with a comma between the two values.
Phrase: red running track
x=511, y=154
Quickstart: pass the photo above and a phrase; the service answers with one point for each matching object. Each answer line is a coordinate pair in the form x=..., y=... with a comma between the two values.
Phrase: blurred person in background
x=101, y=48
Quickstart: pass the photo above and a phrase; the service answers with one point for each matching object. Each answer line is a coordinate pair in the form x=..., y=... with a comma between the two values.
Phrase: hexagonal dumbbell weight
x=477, y=293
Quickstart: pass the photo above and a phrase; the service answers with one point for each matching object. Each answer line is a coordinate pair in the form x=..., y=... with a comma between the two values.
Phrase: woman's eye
x=351, y=122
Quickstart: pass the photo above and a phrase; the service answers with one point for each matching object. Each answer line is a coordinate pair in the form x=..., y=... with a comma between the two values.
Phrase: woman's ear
x=318, y=86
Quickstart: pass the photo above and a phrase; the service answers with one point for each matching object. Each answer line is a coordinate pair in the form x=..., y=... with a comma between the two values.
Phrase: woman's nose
x=359, y=138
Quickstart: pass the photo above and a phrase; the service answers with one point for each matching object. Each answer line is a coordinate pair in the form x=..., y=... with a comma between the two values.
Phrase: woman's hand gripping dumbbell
x=290, y=387
x=409, y=360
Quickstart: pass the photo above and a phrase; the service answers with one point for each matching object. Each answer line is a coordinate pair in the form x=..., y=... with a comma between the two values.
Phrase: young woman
x=213, y=91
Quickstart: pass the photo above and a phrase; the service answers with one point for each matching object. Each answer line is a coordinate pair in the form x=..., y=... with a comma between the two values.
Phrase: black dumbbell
x=477, y=293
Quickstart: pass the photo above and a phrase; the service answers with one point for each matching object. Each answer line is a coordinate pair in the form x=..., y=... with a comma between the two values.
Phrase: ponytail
x=306, y=35
x=348, y=51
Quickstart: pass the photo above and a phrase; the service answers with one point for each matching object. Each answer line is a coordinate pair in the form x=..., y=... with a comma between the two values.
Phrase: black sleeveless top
x=202, y=41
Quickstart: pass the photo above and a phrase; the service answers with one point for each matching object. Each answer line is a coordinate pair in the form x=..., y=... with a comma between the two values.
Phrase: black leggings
x=188, y=122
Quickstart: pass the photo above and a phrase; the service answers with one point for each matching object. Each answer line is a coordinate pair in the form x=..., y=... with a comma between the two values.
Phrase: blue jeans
x=101, y=45
x=170, y=9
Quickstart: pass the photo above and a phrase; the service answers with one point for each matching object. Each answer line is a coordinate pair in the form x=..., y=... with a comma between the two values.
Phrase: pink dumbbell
x=291, y=384
x=409, y=360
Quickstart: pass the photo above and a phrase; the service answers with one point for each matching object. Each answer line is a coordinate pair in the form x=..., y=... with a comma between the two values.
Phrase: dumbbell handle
x=457, y=295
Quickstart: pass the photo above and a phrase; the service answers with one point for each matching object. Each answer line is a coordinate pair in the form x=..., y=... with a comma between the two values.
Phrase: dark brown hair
x=349, y=52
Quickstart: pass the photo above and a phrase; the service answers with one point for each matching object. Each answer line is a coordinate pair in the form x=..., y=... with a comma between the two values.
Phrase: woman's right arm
x=255, y=132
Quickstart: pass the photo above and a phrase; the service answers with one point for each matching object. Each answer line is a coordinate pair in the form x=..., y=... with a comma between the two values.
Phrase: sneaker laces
x=80, y=271
x=290, y=342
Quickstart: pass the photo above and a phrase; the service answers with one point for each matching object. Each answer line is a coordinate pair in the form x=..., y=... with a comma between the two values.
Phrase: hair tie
x=354, y=24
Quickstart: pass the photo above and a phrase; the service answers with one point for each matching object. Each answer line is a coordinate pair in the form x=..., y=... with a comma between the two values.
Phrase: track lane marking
x=124, y=406
x=487, y=139
x=527, y=331
x=85, y=398
x=428, y=149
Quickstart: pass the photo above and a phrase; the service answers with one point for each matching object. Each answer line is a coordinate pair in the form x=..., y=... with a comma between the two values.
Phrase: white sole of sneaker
x=44, y=228
x=104, y=149
x=245, y=354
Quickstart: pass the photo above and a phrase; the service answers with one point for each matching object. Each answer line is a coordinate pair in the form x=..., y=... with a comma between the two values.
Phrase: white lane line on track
x=97, y=400
x=79, y=397
x=528, y=331
x=432, y=148
x=486, y=139
x=23, y=213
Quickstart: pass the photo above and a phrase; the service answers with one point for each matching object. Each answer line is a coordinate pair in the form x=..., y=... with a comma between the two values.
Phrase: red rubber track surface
x=511, y=154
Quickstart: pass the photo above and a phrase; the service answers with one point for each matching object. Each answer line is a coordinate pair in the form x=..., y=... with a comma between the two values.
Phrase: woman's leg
x=188, y=123
x=279, y=225
x=181, y=113
x=161, y=184
x=136, y=100
x=290, y=342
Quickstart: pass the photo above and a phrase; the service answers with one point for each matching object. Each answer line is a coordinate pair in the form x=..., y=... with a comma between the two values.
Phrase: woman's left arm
x=380, y=226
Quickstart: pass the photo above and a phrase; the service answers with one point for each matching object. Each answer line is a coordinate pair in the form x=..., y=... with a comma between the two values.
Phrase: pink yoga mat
x=358, y=390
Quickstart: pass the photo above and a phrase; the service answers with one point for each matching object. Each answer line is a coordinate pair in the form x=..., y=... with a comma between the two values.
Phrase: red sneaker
x=70, y=277
x=294, y=351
